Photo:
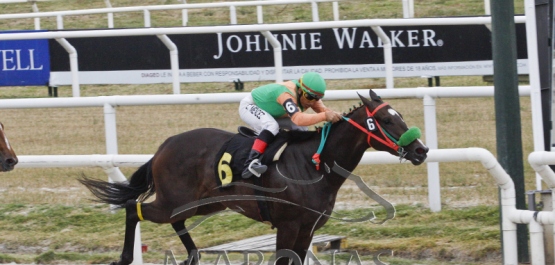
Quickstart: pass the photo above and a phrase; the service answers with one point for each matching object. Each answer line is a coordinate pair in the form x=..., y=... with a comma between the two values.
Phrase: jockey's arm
x=297, y=117
x=319, y=107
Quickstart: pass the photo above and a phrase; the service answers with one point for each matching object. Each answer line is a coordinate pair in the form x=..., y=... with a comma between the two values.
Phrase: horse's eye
x=387, y=121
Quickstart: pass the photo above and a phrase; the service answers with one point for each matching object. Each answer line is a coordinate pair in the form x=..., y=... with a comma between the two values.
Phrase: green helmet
x=313, y=84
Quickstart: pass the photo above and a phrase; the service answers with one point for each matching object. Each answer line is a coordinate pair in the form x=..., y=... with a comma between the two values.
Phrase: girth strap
x=262, y=204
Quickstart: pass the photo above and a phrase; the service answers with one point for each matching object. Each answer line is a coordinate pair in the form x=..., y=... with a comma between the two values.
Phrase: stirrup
x=254, y=168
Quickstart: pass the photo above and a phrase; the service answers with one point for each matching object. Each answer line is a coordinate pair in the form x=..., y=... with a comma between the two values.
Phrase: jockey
x=276, y=105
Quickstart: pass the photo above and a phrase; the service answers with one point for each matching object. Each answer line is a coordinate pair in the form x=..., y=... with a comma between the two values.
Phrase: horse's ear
x=366, y=102
x=375, y=96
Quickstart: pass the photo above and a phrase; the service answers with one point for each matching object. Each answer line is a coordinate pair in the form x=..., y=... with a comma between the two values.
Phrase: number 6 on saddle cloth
x=231, y=158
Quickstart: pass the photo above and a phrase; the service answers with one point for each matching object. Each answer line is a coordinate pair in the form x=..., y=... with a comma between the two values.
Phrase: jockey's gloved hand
x=333, y=116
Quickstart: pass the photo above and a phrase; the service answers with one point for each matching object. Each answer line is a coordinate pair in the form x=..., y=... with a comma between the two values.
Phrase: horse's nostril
x=421, y=151
x=11, y=162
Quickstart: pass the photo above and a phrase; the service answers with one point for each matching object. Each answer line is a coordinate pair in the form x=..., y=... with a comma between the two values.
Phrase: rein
x=373, y=126
x=325, y=133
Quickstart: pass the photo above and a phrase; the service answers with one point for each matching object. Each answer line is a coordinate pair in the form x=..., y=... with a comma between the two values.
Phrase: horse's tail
x=139, y=187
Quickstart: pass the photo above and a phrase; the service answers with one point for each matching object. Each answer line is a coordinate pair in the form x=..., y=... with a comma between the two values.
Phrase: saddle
x=231, y=157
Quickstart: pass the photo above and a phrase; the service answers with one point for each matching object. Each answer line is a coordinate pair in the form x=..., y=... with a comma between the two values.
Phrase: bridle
x=386, y=139
x=373, y=127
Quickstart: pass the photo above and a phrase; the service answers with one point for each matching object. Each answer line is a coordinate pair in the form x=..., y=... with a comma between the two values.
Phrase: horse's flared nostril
x=422, y=150
x=11, y=161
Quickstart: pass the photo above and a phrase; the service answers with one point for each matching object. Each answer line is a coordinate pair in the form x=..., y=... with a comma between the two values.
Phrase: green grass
x=85, y=233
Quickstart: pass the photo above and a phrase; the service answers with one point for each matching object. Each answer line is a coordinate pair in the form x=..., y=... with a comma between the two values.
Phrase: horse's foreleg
x=302, y=244
x=192, y=251
x=131, y=220
x=285, y=242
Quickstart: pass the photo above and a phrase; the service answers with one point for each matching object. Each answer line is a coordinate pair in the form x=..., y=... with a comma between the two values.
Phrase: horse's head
x=8, y=159
x=387, y=131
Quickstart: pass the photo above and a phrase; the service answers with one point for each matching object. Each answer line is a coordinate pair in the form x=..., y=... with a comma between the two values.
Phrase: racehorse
x=8, y=159
x=182, y=175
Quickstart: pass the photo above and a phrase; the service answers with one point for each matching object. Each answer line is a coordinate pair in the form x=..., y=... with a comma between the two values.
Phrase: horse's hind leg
x=131, y=220
x=193, y=257
x=150, y=212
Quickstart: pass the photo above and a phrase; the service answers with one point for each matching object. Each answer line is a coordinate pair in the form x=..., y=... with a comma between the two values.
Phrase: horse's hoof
x=186, y=262
x=119, y=263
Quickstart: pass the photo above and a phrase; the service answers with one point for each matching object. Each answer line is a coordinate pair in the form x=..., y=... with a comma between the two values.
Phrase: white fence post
x=259, y=15
x=185, y=17
x=278, y=59
x=537, y=254
x=232, y=15
x=37, y=19
x=110, y=127
x=110, y=15
x=430, y=126
x=59, y=22
x=174, y=61
x=487, y=7
x=73, y=65
x=387, y=54
x=146, y=14
x=406, y=11
x=335, y=7
x=534, y=76
x=315, y=14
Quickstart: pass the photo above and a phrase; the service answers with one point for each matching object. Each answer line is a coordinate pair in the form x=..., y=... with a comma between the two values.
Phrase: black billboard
x=335, y=53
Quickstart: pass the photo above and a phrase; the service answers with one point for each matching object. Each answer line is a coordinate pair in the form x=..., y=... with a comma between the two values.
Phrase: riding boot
x=253, y=166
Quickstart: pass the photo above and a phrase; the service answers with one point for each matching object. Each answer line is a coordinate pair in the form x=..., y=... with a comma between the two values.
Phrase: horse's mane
x=345, y=114
x=353, y=109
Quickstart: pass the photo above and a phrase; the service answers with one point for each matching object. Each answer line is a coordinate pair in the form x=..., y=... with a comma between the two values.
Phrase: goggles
x=310, y=97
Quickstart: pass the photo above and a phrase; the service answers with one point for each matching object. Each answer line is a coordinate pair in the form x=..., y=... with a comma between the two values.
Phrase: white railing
x=109, y=11
x=428, y=94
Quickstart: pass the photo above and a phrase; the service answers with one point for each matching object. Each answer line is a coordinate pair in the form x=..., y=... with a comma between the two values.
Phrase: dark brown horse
x=8, y=159
x=182, y=175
